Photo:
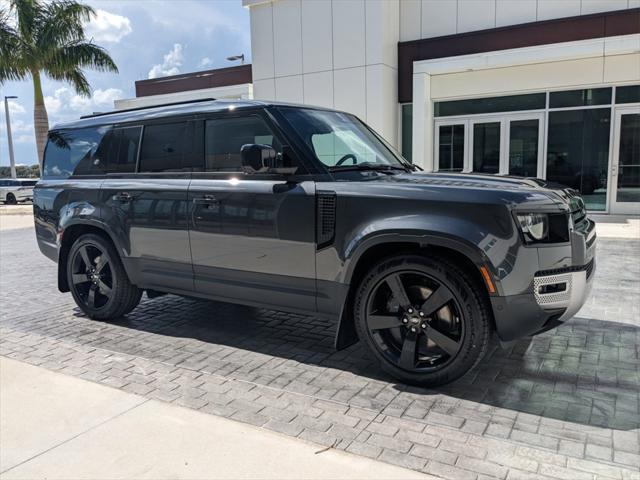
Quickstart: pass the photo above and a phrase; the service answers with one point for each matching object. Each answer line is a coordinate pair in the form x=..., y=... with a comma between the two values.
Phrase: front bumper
x=555, y=295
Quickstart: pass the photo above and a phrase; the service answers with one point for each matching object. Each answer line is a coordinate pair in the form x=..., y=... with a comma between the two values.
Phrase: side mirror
x=256, y=157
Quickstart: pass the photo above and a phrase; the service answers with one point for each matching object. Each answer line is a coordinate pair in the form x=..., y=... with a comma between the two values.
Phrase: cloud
x=65, y=104
x=171, y=64
x=21, y=131
x=108, y=27
x=15, y=108
x=205, y=62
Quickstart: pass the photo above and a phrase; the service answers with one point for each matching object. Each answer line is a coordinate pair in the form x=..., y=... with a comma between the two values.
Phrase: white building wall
x=434, y=18
x=333, y=53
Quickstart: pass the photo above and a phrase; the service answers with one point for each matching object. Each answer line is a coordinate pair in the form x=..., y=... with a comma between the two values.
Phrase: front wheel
x=10, y=199
x=97, y=279
x=423, y=318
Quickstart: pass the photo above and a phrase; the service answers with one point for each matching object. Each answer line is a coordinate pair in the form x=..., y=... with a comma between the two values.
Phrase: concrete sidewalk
x=57, y=426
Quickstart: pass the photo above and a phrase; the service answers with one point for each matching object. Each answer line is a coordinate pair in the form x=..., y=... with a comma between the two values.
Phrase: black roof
x=169, y=110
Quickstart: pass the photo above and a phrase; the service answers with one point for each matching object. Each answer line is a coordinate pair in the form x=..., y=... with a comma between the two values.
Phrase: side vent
x=326, y=218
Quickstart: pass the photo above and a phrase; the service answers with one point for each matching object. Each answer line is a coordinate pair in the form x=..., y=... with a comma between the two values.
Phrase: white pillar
x=422, y=132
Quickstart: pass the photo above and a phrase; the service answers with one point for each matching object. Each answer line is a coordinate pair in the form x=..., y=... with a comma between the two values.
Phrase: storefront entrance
x=499, y=144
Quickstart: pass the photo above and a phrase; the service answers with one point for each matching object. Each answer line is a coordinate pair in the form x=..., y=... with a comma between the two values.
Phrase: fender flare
x=74, y=221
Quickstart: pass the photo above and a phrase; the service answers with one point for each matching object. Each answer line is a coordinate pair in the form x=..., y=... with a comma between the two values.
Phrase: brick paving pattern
x=564, y=405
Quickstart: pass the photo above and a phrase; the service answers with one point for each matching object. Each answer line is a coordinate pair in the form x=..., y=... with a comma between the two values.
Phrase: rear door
x=252, y=235
x=145, y=200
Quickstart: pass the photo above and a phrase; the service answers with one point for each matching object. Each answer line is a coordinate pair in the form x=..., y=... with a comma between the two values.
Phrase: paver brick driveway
x=563, y=405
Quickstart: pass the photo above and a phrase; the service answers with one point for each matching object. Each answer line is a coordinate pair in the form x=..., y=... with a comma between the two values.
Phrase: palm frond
x=11, y=65
x=62, y=23
x=27, y=14
x=76, y=78
x=80, y=54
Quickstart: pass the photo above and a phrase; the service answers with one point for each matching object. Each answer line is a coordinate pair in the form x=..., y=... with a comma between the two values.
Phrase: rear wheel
x=97, y=279
x=10, y=199
x=424, y=319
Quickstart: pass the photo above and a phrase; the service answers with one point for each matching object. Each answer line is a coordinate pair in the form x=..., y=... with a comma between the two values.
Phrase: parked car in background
x=308, y=210
x=16, y=190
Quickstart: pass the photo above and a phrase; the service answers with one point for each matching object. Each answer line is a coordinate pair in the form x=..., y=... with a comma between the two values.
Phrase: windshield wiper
x=367, y=166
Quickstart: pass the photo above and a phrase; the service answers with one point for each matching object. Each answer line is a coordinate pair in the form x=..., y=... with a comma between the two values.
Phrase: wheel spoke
x=103, y=288
x=448, y=344
x=383, y=322
x=438, y=299
x=84, y=253
x=78, y=278
x=91, y=297
x=397, y=289
x=409, y=351
x=101, y=263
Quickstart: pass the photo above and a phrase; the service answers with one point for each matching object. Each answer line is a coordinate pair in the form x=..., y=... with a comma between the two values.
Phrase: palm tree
x=38, y=38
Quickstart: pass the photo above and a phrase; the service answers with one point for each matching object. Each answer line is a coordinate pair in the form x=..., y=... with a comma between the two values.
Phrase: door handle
x=206, y=200
x=123, y=197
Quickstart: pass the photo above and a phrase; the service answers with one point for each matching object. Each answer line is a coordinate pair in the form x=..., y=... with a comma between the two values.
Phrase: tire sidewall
x=475, y=325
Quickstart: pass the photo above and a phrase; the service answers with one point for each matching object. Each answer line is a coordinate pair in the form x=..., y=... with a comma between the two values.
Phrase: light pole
x=12, y=159
x=240, y=57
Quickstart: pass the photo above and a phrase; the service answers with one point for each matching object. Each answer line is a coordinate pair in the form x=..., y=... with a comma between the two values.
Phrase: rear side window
x=71, y=152
x=163, y=147
x=226, y=136
x=119, y=150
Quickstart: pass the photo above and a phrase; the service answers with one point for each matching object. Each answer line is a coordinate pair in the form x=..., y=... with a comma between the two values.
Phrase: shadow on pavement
x=586, y=371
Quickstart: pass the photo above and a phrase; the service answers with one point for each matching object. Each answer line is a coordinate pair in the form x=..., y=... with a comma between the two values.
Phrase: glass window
x=486, y=147
x=162, y=147
x=510, y=103
x=119, y=150
x=407, y=132
x=628, y=94
x=580, y=98
x=224, y=138
x=71, y=152
x=451, y=148
x=339, y=139
x=523, y=147
x=629, y=159
x=578, y=152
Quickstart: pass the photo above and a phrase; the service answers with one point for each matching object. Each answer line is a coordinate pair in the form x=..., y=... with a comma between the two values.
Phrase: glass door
x=486, y=145
x=625, y=167
x=451, y=139
x=524, y=137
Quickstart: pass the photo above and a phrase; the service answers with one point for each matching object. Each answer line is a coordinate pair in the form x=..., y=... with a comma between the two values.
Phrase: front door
x=625, y=168
x=252, y=235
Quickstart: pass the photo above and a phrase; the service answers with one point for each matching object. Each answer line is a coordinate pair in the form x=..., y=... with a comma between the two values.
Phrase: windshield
x=340, y=140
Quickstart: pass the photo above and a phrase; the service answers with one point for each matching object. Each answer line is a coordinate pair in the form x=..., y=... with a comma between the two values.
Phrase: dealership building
x=545, y=88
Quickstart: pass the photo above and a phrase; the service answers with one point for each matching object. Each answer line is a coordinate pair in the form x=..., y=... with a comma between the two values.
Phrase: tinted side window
x=163, y=147
x=120, y=149
x=224, y=137
x=71, y=152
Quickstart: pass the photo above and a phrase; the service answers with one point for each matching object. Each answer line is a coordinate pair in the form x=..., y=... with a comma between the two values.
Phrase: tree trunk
x=40, y=118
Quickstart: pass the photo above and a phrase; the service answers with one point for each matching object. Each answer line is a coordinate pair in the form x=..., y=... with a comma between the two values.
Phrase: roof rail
x=147, y=107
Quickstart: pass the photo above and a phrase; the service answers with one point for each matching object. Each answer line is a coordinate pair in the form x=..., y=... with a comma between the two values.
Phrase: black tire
x=97, y=279
x=424, y=347
x=11, y=199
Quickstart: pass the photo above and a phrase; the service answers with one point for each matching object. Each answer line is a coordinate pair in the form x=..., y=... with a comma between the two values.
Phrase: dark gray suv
x=308, y=210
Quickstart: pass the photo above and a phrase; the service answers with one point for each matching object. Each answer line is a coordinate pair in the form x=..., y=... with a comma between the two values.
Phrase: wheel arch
x=70, y=234
x=381, y=246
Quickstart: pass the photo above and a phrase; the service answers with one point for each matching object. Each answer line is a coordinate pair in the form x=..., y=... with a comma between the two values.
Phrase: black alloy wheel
x=91, y=276
x=423, y=318
x=97, y=279
x=415, y=321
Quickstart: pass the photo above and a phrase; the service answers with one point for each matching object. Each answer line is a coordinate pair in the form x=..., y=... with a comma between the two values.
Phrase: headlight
x=535, y=226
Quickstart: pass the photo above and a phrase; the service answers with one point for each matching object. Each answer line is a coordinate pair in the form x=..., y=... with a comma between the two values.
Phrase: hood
x=507, y=188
